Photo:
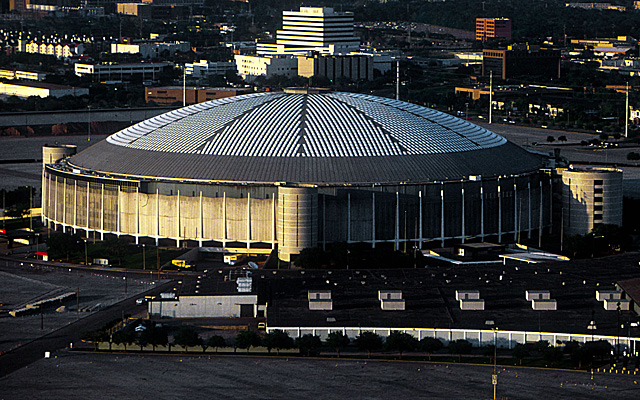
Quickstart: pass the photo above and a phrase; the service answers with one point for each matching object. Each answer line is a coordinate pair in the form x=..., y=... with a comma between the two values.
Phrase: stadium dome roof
x=328, y=137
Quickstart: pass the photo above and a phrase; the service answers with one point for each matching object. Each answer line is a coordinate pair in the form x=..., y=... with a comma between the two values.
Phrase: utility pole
x=626, y=114
x=490, y=95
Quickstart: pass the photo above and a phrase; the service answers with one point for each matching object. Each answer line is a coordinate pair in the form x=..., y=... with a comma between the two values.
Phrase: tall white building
x=318, y=29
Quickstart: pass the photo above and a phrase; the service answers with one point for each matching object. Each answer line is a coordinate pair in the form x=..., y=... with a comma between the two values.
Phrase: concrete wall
x=296, y=217
x=203, y=306
x=590, y=197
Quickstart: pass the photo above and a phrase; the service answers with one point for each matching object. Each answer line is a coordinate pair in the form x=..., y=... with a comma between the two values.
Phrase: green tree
x=551, y=139
x=155, y=337
x=308, y=344
x=519, y=352
x=401, y=342
x=430, y=345
x=337, y=340
x=187, y=337
x=124, y=337
x=247, y=339
x=94, y=337
x=63, y=245
x=460, y=347
x=369, y=341
x=216, y=342
x=562, y=139
x=277, y=339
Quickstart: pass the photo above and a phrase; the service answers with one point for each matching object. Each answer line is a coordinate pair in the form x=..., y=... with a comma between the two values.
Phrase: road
x=61, y=338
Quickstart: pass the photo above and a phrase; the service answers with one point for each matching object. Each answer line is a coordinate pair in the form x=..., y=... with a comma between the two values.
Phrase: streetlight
x=494, y=378
x=85, y=252
x=144, y=259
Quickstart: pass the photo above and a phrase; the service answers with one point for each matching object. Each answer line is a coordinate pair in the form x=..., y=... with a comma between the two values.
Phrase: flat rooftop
x=430, y=296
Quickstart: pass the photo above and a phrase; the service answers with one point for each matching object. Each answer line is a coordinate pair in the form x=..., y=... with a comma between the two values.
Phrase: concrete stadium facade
x=395, y=173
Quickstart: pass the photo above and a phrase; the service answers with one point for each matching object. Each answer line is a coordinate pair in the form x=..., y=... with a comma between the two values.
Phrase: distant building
x=521, y=60
x=251, y=67
x=204, y=68
x=153, y=11
x=597, y=6
x=21, y=74
x=121, y=72
x=590, y=196
x=493, y=28
x=318, y=29
x=40, y=89
x=58, y=49
x=171, y=94
x=150, y=49
x=353, y=67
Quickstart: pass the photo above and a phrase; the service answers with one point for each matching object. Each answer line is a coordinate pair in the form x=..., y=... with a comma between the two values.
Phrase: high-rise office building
x=319, y=29
x=493, y=28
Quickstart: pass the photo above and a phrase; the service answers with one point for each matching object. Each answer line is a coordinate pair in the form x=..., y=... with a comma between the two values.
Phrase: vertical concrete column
x=516, y=225
x=45, y=201
x=540, y=221
x=201, y=223
x=551, y=206
x=348, y=217
x=462, y=230
x=499, y=213
x=248, y=220
x=102, y=213
x=481, y=212
x=420, y=237
x=88, y=198
x=178, y=219
x=396, y=244
x=274, y=221
x=137, y=214
x=55, y=203
x=324, y=222
x=157, y=216
x=75, y=205
x=118, y=212
x=442, y=215
x=297, y=220
x=373, y=220
x=529, y=209
x=119, y=227
x=64, y=204
x=224, y=219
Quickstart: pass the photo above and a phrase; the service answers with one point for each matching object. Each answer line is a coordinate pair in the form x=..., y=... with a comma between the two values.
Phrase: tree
x=277, y=339
x=154, y=336
x=562, y=138
x=123, y=337
x=94, y=337
x=430, y=345
x=460, y=347
x=369, y=341
x=401, y=342
x=633, y=156
x=550, y=139
x=520, y=351
x=247, y=339
x=63, y=245
x=338, y=340
x=187, y=337
x=216, y=342
x=308, y=344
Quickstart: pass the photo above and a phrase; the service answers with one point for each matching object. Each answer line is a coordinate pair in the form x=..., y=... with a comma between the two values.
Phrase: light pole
x=144, y=259
x=494, y=378
x=86, y=258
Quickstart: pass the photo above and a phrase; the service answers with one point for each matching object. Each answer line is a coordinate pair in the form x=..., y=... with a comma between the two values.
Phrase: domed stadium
x=297, y=169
